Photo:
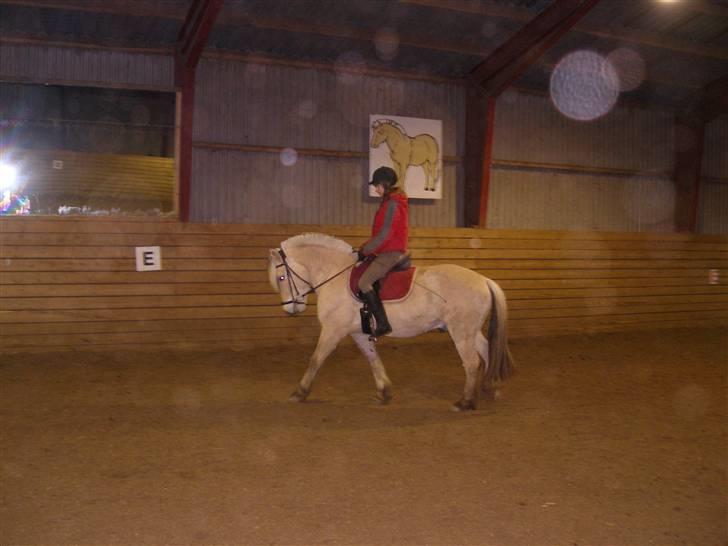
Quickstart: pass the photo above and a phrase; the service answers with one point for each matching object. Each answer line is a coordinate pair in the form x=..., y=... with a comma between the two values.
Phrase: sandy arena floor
x=615, y=439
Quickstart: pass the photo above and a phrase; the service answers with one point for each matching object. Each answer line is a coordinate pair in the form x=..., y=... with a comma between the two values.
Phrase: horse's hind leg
x=367, y=347
x=487, y=389
x=466, y=347
x=327, y=342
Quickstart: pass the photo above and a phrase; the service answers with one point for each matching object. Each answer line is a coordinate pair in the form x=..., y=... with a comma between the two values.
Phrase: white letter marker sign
x=148, y=258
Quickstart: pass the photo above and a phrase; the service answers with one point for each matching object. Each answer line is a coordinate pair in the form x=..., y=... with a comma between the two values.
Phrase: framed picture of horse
x=413, y=148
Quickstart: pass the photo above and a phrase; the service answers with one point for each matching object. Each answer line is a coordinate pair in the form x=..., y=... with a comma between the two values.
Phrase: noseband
x=291, y=277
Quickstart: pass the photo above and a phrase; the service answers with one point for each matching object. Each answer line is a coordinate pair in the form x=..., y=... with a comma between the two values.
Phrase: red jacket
x=391, y=226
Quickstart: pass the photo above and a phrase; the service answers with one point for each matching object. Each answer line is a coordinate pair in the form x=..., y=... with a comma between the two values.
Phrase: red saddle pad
x=395, y=286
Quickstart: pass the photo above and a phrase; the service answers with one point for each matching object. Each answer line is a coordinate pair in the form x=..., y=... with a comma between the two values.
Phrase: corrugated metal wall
x=245, y=187
x=554, y=173
x=550, y=172
x=86, y=67
x=259, y=105
x=713, y=216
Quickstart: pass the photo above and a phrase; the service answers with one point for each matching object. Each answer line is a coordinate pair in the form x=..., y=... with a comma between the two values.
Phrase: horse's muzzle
x=294, y=308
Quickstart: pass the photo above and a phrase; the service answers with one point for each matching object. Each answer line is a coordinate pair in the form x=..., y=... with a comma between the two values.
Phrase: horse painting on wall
x=411, y=146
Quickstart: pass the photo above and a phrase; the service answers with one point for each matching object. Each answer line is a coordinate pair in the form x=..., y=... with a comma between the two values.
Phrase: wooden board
x=70, y=283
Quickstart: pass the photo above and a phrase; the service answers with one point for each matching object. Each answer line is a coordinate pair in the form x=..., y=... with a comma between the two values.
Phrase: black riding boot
x=377, y=309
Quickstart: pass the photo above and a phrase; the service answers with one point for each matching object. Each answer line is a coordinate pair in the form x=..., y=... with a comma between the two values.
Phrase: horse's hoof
x=490, y=395
x=463, y=405
x=299, y=395
x=384, y=396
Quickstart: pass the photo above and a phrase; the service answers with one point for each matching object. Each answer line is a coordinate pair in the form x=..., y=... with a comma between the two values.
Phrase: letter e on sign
x=148, y=258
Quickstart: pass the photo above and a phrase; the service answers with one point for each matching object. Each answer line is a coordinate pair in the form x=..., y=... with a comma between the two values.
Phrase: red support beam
x=475, y=129
x=190, y=43
x=487, y=161
x=493, y=76
x=714, y=100
x=689, y=139
x=688, y=145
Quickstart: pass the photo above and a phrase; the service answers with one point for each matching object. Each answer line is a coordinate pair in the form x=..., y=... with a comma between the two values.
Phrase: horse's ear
x=273, y=253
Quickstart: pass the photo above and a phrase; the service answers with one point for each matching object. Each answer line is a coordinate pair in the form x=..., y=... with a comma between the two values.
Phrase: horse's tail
x=500, y=361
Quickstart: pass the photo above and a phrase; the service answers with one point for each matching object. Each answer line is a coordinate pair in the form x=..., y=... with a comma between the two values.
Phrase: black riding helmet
x=384, y=176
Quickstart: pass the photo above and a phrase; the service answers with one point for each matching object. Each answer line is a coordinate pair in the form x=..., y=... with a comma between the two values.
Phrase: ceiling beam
x=171, y=9
x=342, y=31
x=526, y=46
x=234, y=17
x=522, y=14
x=706, y=7
x=195, y=30
x=166, y=9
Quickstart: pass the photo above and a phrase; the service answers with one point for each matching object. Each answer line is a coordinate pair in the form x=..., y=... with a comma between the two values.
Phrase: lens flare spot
x=584, y=86
x=288, y=157
x=629, y=66
x=307, y=109
x=386, y=44
x=347, y=66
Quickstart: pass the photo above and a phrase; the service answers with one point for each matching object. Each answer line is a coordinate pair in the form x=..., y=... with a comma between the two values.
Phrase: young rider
x=388, y=243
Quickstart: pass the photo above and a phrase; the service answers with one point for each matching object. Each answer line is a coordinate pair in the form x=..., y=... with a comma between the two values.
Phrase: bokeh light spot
x=288, y=157
x=630, y=68
x=386, y=44
x=584, y=86
x=346, y=67
x=307, y=109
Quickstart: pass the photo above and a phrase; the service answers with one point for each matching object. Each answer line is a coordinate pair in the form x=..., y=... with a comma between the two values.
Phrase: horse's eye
x=282, y=278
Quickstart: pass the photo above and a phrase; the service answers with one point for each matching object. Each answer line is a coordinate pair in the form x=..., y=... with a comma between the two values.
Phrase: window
x=83, y=150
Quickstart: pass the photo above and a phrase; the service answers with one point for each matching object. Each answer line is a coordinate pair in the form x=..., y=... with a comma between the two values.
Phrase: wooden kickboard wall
x=70, y=283
x=100, y=178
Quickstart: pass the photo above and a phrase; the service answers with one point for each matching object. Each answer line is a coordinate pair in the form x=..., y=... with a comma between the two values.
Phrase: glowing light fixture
x=8, y=176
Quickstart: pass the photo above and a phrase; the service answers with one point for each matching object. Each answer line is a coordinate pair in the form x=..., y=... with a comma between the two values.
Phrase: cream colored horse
x=444, y=296
x=420, y=150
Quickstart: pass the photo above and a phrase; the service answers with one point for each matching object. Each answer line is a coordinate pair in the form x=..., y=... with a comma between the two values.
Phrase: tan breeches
x=378, y=269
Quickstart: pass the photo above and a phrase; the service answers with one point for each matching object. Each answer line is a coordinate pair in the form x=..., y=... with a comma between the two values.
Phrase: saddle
x=395, y=286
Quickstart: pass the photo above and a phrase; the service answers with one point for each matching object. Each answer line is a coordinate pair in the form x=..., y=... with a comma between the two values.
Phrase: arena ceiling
x=671, y=52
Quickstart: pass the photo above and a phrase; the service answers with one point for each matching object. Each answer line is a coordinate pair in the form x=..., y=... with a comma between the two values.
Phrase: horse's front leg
x=327, y=342
x=384, y=385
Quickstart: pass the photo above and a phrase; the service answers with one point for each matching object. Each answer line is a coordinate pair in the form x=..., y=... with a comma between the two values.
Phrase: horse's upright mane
x=316, y=239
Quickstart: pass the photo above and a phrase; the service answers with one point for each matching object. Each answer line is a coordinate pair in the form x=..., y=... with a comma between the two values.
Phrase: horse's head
x=288, y=278
x=379, y=135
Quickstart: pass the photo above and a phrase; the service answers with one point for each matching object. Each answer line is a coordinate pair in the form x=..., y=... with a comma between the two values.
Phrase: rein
x=296, y=294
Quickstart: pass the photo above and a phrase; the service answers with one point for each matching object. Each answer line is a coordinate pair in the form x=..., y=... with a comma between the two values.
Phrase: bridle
x=291, y=276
